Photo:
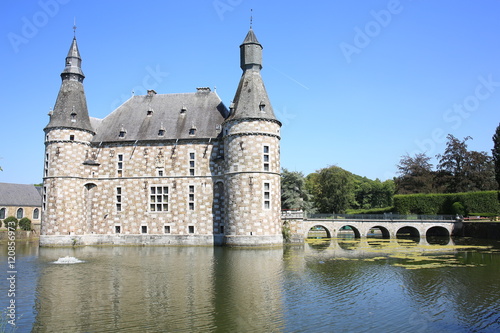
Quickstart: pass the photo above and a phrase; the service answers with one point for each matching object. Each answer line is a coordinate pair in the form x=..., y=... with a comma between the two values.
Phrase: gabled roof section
x=19, y=195
x=164, y=117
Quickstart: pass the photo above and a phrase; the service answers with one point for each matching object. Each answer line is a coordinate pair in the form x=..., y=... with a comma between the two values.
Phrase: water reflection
x=159, y=289
x=349, y=284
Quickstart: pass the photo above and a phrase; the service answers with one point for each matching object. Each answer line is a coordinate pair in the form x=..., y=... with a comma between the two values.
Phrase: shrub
x=25, y=224
x=10, y=221
x=458, y=209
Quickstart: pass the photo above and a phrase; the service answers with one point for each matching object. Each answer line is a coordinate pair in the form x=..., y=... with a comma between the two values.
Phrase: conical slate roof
x=70, y=110
x=251, y=100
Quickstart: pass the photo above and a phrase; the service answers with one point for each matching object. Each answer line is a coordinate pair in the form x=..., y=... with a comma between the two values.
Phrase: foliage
x=294, y=194
x=442, y=203
x=461, y=170
x=332, y=189
x=25, y=224
x=458, y=209
x=372, y=193
x=496, y=155
x=286, y=231
x=371, y=211
x=415, y=175
x=8, y=222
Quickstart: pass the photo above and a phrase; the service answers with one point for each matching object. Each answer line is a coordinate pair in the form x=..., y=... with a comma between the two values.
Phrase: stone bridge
x=361, y=227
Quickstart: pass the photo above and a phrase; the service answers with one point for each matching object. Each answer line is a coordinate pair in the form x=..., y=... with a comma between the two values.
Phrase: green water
x=324, y=286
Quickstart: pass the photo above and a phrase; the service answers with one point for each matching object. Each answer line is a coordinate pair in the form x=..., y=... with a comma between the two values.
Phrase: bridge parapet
x=385, y=216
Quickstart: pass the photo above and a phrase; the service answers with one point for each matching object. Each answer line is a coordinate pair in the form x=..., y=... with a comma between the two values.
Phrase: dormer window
x=161, y=132
x=192, y=131
x=73, y=117
x=183, y=110
x=122, y=133
x=149, y=113
x=262, y=106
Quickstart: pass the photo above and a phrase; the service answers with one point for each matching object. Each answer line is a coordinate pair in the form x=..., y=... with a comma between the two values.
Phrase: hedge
x=447, y=203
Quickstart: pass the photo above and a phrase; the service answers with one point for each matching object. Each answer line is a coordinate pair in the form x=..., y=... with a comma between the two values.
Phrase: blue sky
x=356, y=84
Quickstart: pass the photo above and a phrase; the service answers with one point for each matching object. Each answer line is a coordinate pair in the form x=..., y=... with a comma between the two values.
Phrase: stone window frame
x=118, y=229
x=167, y=229
x=192, y=162
x=144, y=229
x=266, y=157
x=36, y=214
x=155, y=206
x=3, y=213
x=20, y=213
x=266, y=194
x=119, y=201
x=191, y=229
x=44, y=198
x=46, y=169
x=120, y=164
x=191, y=197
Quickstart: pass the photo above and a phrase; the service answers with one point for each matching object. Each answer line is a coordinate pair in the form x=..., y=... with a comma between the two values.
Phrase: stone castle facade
x=164, y=169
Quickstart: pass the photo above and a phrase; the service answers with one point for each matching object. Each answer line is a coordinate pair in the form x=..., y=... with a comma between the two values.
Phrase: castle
x=164, y=169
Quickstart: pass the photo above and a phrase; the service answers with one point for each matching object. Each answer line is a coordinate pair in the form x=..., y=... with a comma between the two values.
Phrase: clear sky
x=356, y=84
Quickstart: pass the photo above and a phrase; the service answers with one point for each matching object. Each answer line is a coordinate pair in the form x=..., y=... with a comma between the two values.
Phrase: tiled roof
x=164, y=117
x=19, y=195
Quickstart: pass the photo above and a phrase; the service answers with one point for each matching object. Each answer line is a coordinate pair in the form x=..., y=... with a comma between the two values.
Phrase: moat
x=335, y=285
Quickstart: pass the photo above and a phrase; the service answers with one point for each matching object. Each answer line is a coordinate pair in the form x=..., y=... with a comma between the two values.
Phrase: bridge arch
x=437, y=231
x=318, y=231
x=344, y=230
x=383, y=230
x=407, y=231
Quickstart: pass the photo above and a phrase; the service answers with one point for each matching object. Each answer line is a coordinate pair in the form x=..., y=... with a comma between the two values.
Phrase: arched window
x=20, y=213
x=2, y=213
x=36, y=214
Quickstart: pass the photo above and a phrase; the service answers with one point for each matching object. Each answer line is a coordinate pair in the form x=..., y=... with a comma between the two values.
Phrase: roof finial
x=74, y=27
x=251, y=18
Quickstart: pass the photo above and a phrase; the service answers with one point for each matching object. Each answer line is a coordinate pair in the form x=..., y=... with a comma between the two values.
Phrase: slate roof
x=19, y=195
x=251, y=100
x=142, y=117
x=70, y=109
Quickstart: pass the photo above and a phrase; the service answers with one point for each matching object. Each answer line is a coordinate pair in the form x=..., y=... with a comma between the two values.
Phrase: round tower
x=252, y=158
x=67, y=142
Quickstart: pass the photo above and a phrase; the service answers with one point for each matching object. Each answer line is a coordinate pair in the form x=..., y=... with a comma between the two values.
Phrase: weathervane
x=74, y=27
x=251, y=18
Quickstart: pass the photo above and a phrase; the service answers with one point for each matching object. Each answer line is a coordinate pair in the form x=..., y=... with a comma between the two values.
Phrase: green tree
x=373, y=193
x=460, y=170
x=11, y=222
x=415, y=175
x=294, y=194
x=453, y=162
x=332, y=189
x=496, y=155
x=25, y=224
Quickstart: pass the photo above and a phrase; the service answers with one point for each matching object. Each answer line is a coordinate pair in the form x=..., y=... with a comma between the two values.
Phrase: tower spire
x=251, y=100
x=70, y=109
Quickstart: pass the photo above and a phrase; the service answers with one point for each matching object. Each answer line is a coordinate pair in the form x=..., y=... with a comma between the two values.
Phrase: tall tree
x=496, y=154
x=333, y=189
x=415, y=175
x=453, y=162
x=373, y=193
x=461, y=170
x=293, y=191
